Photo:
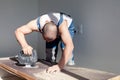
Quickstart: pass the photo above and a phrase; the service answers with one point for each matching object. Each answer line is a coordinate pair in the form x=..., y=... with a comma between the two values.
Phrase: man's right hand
x=27, y=50
x=24, y=30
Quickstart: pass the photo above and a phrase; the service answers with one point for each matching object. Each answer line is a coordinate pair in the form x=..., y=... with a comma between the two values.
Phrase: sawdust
x=53, y=76
x=115, y=78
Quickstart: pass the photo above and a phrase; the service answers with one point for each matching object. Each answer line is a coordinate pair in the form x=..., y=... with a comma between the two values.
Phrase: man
x=55, y=28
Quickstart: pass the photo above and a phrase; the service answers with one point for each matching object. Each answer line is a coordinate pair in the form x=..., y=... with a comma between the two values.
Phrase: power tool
x=28, y=60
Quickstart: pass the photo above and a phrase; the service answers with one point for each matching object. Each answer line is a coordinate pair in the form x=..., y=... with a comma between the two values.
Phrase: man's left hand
x=54, y=68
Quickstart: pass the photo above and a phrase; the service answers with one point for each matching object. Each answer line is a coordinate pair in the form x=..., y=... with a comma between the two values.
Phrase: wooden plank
x=35, y=73
x=115, y=78
x=38, y=73
x=4, y=75
x=27, y=73
x=91, y=74
x=14, y=71
x=11, y=78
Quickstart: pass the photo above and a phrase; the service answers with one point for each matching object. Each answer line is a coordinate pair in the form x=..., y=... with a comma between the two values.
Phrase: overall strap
x=61, y=19
x=38, y=23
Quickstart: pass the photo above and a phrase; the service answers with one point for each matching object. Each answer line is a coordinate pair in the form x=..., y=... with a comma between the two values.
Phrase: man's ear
x=42, y=31
x=57, y=35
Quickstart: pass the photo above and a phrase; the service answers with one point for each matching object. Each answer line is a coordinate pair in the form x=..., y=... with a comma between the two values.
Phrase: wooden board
x=4, y=75
x=35, y=73
x=115, y=78
x=68, y=73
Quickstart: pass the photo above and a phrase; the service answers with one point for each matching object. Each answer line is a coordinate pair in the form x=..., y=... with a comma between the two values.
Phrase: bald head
x=50, y=31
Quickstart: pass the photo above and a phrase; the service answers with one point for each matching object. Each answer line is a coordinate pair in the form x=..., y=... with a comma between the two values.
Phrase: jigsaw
x=28, y=60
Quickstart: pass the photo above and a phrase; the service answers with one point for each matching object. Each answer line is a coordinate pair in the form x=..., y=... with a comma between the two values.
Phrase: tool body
x=28, y=60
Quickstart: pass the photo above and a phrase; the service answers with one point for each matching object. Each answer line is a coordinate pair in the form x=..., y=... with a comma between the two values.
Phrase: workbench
x=10, y=71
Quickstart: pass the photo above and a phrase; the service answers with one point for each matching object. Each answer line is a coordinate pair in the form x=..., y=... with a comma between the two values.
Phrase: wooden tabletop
x=38, y=73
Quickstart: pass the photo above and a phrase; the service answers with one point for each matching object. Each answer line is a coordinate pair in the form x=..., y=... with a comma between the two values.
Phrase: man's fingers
x=49, y=70
x=52, y=70
x=27, y=50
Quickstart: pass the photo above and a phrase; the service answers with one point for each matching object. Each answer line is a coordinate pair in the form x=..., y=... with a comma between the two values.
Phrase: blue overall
x=52, y=47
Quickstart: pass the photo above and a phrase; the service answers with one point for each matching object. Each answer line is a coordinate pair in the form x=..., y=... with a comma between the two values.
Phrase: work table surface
x=38, y=73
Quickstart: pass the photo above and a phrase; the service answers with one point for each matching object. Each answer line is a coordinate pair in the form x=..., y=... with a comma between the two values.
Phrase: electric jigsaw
x=28, y=60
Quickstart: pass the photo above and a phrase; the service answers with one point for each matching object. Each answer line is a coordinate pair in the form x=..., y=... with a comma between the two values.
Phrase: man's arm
x=22, y=31
x=66, y=38
x=67, y=52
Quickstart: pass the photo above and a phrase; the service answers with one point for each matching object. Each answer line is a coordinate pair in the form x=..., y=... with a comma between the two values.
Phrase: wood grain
x=68, y=73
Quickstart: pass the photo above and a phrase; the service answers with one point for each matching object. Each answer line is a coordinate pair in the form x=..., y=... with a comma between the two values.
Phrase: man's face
x=49, y=37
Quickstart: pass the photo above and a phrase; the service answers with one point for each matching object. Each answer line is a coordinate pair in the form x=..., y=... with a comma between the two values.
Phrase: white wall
x=15, y=13
x=101, y=40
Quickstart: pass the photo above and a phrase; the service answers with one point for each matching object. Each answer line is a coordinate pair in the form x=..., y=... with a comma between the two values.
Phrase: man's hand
x=52, y=69
x=27, y=50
